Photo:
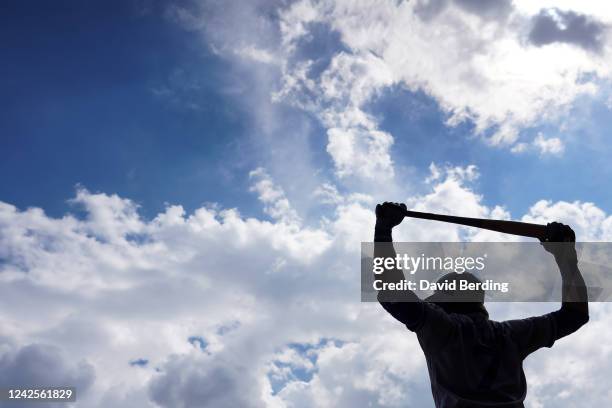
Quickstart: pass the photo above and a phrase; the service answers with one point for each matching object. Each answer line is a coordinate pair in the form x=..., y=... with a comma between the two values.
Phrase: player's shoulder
x=515, y=327
x=500, y=327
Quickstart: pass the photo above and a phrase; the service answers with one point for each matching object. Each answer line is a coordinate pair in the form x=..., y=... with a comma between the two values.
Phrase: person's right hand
x=560, y=241
x=388, y=215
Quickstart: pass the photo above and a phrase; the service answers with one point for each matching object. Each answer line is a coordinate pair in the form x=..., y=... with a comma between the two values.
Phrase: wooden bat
x=524, y=229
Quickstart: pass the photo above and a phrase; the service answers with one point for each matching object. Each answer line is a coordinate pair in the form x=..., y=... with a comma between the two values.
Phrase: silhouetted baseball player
x=473, y=361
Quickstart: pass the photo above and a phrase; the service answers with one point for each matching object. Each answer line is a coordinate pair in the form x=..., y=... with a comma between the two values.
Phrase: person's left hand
x=388, y=215
x=560, y=241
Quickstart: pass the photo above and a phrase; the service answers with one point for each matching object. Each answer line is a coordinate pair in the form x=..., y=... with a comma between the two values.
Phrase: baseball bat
x=524, y=229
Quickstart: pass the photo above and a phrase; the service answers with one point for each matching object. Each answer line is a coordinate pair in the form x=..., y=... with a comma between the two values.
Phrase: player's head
x=466, y=298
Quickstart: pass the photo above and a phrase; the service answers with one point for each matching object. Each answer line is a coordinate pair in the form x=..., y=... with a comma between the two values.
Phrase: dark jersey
x=476, y=362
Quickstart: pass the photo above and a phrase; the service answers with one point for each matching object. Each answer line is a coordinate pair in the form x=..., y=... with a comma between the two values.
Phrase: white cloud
x=588, y=221
x=277, y=204
x=347, y=376
x=328, y=194
x=365, y=152
x=355, y=143
x=40, y=365
x=251, y=289
x=188, y=381
x=477, y=62
x=552, y=145
x=258, y=54
x=519, y=148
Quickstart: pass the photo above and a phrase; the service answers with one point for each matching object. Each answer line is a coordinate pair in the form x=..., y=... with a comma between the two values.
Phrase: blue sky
x=120, y=98
x=516, y=181
x=80, y=108
x=184, y=186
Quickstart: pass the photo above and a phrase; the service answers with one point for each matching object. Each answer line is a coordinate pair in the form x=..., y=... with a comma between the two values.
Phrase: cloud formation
x=476, y=59
x=273, y=302
x=41, y=365
x=554, y=25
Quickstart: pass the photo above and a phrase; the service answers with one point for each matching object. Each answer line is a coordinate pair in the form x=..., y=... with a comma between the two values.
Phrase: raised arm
x=574, y=311
x=542, y=331
x=405, y=306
